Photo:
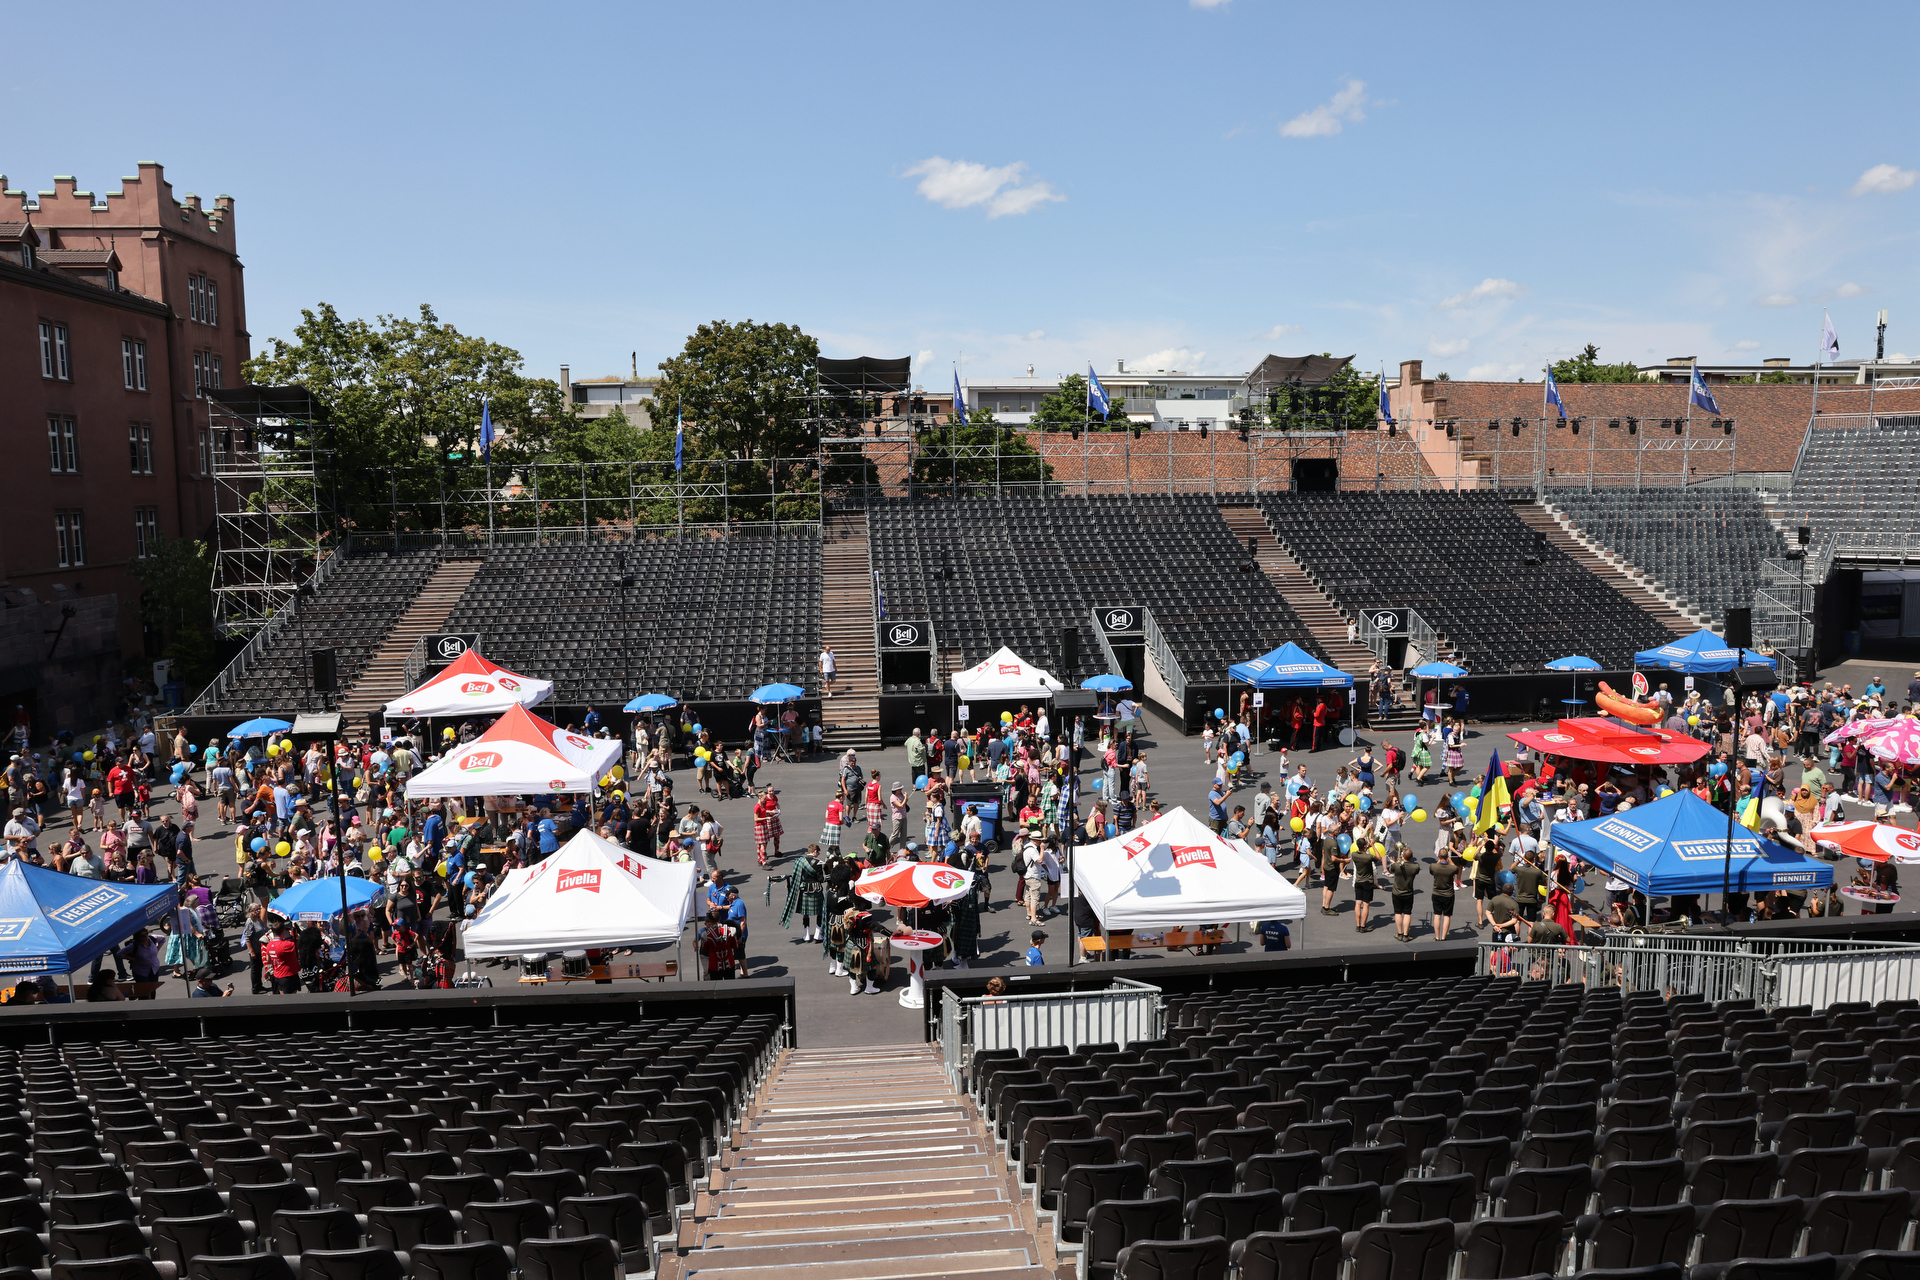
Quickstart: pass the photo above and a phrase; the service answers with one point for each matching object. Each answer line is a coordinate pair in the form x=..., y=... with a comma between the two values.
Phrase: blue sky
x=1181, y=185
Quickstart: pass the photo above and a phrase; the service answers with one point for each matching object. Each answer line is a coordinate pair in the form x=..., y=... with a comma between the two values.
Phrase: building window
x=193, y=298
x=200, y=373
x=133, y=363
x=63, y=451
x=26, y=255
x=69, y=530
x=146, y=531
x=210, y=302
x=55, y=357
x=213, y=371
x=140, y=448
x=206, y=453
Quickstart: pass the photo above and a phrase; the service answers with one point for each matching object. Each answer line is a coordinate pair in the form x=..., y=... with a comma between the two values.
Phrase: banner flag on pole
x=1386, y=404
x=486, y=430
x=1699, y=395
x=1829, y=340
x=679, y=438
x=1493, y=794
x=959, y=399
x=1096, y=394
x=1553, y=395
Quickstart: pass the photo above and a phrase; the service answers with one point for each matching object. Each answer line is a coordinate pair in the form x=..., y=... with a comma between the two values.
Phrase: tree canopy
x=963, y=453
x=1587, y=367
x=1067, y=408
x=176, y=599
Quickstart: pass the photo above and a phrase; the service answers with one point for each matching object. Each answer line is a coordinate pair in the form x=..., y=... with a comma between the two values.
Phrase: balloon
x=78, y=756
x=1419, y=815
x=1239, y=758
x=359, y=782
x=1298, y=824
x=1098, y=783
x=89, y=755
x=617, y=772
x=1353, y=801
x=1219, y=713
x=376, y=855
x=920, y=783
x=1717, y=769
x=1693, y=720
x=699, y=728
x=966, y=762
x=1379, y=850
x=259, y=843
x=1112, y=831
x=1345, y=841
x=282, y=849
x=1006, y=717
x=1366, y=803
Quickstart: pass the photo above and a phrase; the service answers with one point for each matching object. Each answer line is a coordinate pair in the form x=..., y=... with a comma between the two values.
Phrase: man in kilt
x=856, y=952
x=837, y=877
x=964, y=932
x=805, y=896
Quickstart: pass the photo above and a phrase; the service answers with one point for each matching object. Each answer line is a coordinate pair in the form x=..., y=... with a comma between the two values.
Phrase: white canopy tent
x=1176, y=873
x=471, y=686
x=591, y=894
x=520, y=755
x=1004, y=677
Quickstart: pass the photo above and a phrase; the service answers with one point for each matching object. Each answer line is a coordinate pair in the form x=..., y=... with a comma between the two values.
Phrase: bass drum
x=1346, y=737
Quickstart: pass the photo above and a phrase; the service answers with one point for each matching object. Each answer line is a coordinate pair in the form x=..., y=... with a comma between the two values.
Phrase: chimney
x=566, y=384
x=1120, y=366
x=1410, y=373
x=1679, y=362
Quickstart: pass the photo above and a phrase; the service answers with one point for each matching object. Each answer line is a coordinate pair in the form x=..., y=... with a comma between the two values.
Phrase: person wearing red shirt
x=1322, y=718
x=120, y=787
x=281, y=955
x=1299, y=722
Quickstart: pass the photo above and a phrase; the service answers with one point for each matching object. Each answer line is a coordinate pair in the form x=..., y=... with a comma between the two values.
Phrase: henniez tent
x=1679, y=845
x=1176, y=873
x=520, y=755
x=1291, y=667
x=471, y=686
x=590, y=894
x=51, y=922
x=1701, y=653
x=1005, y=677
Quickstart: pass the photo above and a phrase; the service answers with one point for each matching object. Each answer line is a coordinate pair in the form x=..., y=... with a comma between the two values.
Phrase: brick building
x=118, y=310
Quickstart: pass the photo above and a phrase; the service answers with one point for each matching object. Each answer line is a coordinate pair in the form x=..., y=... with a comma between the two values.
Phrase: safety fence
x=1121, y=1013
x=1767, y=971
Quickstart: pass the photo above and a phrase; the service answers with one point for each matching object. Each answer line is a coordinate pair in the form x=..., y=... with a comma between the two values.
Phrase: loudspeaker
x=1069, y=648
x=1739, y=628
x=326, y=671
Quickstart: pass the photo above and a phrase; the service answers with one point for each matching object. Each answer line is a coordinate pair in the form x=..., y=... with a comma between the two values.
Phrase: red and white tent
x=520, y=755
x=591, y=893
x=1006, y=676
x=471, y=686
x=1176, y=873
x=914, y=884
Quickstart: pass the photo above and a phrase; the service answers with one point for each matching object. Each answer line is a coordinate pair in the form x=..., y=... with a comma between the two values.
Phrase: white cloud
x=1278, y=332
x=1323, y=121
x=962, y=184
x=1777, y=300
x=923, y=357
x=1747, y=344
x=1884, y=180
x=1035, y=335
x=1168, y=359
x=1450, y=347
x=1493, y=287
x=1850, y=290
x=1208, y=4
x=1494, y=372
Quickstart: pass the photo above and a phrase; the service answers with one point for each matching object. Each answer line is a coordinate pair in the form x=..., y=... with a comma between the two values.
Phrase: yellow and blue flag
x=1493, y=794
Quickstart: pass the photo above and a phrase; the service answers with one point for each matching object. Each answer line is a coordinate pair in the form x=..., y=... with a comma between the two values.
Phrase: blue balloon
x=920, y=783
x=79, y=757
x=259, y=843
x=1239, y=758
x=1219, y=713
x=1112, y=831
x=1345, y=841
x=1717, y=769
x=1366, y=803
x=699, y=728
x=1098, y=783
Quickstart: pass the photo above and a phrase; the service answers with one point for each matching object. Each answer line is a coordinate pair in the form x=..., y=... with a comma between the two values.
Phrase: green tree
x=176, y=598
x=1586, y=367
x=1067, y=408
x=1348, y=400
x=402, y=397
x=963, y=454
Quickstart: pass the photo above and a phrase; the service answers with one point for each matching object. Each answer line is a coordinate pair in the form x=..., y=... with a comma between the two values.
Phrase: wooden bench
x=1171, y=940
x=657, y=970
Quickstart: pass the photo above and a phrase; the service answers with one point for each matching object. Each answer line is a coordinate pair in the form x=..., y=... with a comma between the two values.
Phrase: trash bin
x=174, y=692
x=1853, y=642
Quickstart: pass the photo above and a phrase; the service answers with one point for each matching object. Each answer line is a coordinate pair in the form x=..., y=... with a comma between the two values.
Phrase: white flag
x=1829, y=340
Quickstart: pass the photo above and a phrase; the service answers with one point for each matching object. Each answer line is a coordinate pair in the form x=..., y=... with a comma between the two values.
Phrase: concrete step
x=936, y=1254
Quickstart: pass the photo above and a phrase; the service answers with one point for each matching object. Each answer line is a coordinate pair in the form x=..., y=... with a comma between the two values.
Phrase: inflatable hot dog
x=1632, y=712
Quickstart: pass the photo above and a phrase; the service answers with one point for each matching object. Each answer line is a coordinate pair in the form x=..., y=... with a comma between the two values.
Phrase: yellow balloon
x=1298, y=824
x=1379, y=850
x=1693, y=720
x=376, y=855
x=1419, y=815
x=1006, y=717
x=1354, y=801
x=359, y=782
x=966, y=762
x=617, y=771
x=89, y=755
x=282, y=849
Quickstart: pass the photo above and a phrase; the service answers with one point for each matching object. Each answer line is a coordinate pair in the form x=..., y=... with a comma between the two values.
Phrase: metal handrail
x=1163, y=659
x=243, y=661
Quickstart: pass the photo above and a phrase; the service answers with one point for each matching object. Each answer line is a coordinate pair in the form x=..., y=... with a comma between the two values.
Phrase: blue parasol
x=259, y=728
x=652, y=702
x=776, y=693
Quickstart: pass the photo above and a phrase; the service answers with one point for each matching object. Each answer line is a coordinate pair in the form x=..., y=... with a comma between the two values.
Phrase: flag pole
x=1818, y=359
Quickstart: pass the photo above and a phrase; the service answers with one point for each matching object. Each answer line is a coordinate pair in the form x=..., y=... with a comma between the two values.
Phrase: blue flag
x=959, y=399
x=1699, y=395
x=1386, y=405
x=1553, y=395
x=1096, y=394
x=679, y=438
x=486, y=430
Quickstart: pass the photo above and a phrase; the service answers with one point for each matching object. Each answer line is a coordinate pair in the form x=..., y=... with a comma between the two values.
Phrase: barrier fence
x=1123, y=1012
x=1767, y=971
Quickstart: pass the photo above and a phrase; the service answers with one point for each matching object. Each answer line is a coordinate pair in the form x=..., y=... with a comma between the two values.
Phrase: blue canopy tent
x=1679, y=846
x=1702, y=653
x=320, y=899
x=1290, y=667
x=51, y=922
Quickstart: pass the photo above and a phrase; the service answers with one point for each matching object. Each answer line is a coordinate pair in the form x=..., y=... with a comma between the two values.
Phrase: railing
x=258, y=642
x=1106, y=646
x=1768, y=971
x=1124, y=1012
x=1163, y=660
x=1420, y=636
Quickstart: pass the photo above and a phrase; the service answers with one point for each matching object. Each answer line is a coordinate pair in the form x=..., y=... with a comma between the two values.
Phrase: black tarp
x=1295, y=371
x=865, y=375
x=256, y=402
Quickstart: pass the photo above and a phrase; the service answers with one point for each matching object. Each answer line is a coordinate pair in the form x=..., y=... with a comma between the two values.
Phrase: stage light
x=1633, y=426
x=1613, y=424
x=1576, y=426
x=1516, y=428
x=1392, y=431
x=1679, y=425
x=1450, y=431
x=1203, y=431
x=1243, y=432
x=1726, y=425
x=1493, y=426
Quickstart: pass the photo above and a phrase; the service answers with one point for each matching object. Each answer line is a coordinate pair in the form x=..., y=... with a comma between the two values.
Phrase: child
x=1206, y=741
x=1034, y=957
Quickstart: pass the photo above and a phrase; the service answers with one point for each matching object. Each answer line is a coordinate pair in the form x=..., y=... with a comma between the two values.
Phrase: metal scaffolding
x=271, y=529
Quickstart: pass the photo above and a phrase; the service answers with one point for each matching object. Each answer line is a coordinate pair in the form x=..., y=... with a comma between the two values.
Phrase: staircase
x=860, y=1164
x=1536, y=516
x=1324, y=621
x=852, y=715
x=384, y=678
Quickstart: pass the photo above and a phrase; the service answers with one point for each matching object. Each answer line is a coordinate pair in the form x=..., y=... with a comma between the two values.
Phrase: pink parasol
x=1856, y=728
x=1898, y=741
